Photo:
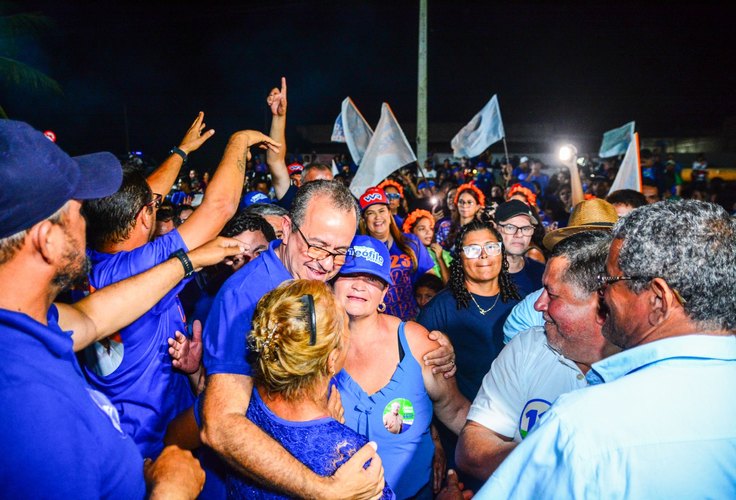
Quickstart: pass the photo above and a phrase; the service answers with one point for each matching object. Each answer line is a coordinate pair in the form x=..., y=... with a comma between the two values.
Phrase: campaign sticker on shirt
x=531, y=414
x=398, y=416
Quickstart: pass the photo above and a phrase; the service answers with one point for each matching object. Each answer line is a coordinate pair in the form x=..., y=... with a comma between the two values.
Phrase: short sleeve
x=225, y=333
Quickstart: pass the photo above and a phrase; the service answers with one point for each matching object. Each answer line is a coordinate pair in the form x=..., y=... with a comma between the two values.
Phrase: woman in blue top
x=388, y=393
x=409, y=258
x=299, y=341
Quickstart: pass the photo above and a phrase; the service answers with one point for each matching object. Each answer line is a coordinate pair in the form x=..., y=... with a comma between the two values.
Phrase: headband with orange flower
x=471, y=187
x=413, y=217
x=531, y=198
x=392, y=183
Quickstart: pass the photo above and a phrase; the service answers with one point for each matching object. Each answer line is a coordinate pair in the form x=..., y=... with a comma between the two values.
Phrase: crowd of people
x=260, y=332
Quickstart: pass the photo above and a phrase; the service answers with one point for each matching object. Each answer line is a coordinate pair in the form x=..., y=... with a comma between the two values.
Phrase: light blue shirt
x=660, y=422
x=523, y=317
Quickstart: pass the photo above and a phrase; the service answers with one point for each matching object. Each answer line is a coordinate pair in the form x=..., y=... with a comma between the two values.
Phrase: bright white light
x=567, y=152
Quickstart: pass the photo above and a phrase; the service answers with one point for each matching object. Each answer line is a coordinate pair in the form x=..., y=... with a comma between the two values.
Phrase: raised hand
x=196, y=135
x=276, y=99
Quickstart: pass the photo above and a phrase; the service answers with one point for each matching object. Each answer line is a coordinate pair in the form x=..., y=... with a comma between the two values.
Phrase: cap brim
x=554, y=237
x=101, y=175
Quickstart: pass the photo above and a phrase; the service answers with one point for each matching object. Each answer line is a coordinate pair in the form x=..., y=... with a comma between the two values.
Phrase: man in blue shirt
x=132, y=368
x=657, y=421
x=61, y=438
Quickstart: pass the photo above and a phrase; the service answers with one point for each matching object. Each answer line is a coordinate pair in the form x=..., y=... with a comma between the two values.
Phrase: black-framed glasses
x=492, y=248
x=512, y=229
x=319, y=253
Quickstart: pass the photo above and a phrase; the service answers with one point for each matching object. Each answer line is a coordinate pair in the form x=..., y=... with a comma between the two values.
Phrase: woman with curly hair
x=299, y=341
x=420, y=223
x=474, y=306
x=472, y=309
x=409, y=258
x=469, y=201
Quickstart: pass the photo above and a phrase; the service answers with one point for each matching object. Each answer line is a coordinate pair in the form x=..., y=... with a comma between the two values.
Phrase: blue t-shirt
x=323, y=445
x=60, y=438
x=400, y=301
x=229, y=321
x=529, y=279
x=406, y=454
x=477, y=338
x=134, y=369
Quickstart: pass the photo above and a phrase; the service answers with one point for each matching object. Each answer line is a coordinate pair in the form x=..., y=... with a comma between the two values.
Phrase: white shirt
x=523, y=382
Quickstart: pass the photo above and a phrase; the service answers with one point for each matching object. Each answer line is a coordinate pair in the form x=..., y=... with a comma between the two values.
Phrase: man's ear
x=48, y=240
x=286, y=229
x=146, y=218
x=661, y=302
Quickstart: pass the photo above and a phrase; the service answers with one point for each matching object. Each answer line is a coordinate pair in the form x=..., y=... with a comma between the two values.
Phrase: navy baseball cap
x=37, y=178
x=512, y=208
x=370, y=256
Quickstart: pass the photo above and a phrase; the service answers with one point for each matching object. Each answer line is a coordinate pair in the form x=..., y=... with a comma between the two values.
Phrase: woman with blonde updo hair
x=299, y=340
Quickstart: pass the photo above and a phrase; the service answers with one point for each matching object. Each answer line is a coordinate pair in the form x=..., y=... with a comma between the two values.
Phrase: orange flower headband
x=528, y=194
x=471, y=187
x=392, y=183
x=413, y=217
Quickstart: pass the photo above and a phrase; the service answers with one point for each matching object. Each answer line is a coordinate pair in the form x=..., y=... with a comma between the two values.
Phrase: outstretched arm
x=164, y=176
x=276, y=160
x=113, y=307
x=253, y=453
x=223, y=192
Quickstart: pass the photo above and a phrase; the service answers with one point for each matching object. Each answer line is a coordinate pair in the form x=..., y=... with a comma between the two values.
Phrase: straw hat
x=586, y=216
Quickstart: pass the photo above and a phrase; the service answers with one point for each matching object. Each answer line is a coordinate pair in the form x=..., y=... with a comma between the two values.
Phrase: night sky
x=581, y=67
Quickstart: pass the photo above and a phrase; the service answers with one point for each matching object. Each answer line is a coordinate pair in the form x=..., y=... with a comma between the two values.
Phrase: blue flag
x=616, y=141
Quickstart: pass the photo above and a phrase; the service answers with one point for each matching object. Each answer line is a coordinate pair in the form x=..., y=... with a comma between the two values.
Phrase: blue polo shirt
x=134, y=370
x=60, y=438
x=229, y=321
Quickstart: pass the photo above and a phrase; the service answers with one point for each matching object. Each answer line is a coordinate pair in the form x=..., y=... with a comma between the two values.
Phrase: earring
x=381, y=307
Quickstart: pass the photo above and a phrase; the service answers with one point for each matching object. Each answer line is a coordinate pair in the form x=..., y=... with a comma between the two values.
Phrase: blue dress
x=323, y=445
x=407, y=454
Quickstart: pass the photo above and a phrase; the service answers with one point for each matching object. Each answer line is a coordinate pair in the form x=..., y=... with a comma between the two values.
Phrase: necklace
x=483, y=312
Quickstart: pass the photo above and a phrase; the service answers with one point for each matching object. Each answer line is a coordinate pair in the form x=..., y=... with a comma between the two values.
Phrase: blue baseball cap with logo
x=254, y=197
x=369, y=256
x=37, y=178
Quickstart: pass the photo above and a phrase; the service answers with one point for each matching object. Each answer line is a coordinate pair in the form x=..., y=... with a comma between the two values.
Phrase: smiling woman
x=409, y=258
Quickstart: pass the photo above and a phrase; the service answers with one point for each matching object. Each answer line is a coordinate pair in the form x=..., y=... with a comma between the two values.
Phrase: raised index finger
x=283, y=86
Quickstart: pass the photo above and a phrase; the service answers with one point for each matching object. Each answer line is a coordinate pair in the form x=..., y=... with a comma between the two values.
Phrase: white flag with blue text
x=356, y=130
x=484, y=129
x=388, y=151
x=338, y=131
x=629, y=173
x=616, y=141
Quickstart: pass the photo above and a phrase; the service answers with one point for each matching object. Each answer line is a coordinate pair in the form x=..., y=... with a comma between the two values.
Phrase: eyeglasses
x=393, y=196
x=473, y=251
x=604, y=280
x=319, y=253
x=511, y=229
x=466, y=202
x=156, y=201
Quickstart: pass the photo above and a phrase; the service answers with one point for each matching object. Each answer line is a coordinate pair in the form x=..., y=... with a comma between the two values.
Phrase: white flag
x=483, y=130
x=338, y=131
x=388, y=151
x=357, y=131
x=616, y=141
x=629, y=173
x=335, y=171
